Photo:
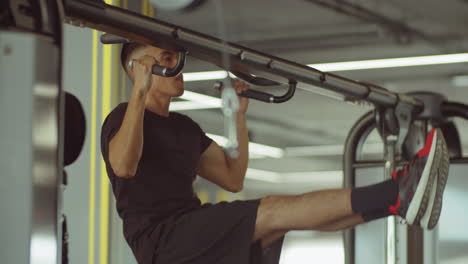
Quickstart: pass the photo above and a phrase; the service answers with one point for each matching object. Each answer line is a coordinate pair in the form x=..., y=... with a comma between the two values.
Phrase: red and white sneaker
x=416, y=179
x=431, y=217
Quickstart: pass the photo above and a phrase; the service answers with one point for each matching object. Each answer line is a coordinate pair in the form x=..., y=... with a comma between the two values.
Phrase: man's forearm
x=127, y=145
x=238, y=166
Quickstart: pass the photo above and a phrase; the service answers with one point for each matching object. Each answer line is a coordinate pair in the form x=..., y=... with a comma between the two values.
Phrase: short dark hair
x=127, y=49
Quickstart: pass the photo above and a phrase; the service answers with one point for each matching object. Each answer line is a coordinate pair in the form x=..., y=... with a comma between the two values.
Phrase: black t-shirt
x=162, y=185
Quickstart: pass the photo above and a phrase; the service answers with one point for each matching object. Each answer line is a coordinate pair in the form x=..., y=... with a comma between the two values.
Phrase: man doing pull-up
x=153, y=156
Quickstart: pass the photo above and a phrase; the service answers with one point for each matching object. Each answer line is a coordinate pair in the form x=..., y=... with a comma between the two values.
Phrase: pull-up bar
x=131, y=25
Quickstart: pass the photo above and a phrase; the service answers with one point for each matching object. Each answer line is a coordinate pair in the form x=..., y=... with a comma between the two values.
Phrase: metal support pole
x=390, y=232
x=353, y=150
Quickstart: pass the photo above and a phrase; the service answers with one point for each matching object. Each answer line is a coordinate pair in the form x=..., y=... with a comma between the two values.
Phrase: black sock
x=378, y=197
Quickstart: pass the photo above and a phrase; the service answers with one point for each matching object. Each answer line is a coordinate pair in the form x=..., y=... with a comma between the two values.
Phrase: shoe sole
x=425, y=219
x=419, y=203
x=432, y=214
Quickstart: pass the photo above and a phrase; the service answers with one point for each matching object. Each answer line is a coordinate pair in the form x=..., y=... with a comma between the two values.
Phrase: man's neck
x=158, y=104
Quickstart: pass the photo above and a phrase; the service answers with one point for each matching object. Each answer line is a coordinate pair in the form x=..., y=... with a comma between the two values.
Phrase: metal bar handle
x=157, y=69
x=165, y=71
x=265, y=97
x=452, y=109
x=171, y=72
x=255, y=80
x=107, y=38
x=269, y=98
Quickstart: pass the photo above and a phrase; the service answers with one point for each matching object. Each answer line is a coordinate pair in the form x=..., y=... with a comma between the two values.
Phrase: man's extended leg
x=407, y=195
x=340, y=224
x=278, y=213
x=326, y=210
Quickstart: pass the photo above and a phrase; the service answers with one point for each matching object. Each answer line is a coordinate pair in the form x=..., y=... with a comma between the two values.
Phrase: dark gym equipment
x=437, y=113
x=57, y=129
x=75, y=129
x=157, y=69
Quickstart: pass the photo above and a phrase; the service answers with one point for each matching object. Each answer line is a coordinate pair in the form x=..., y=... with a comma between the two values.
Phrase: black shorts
x=214, y=234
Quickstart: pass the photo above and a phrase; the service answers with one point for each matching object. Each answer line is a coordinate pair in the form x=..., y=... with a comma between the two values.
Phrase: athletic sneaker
x=431, y=217
x=415, y=180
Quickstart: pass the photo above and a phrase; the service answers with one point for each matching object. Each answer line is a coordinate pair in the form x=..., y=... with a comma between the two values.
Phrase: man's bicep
x=211, y=160
x=111, y=126
x=109, y=131
x=213, y=166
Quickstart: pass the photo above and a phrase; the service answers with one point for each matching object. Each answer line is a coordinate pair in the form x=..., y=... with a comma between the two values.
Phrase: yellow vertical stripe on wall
x=203, y=196
x=92, y=162
x=151, y=10
x=239, y=196
x=115, y=76
x=105, y=109
x=144, y=7
x=115, y=100
x=123, y=80
x=116, y=231
x=222, y=196
x=104, y=200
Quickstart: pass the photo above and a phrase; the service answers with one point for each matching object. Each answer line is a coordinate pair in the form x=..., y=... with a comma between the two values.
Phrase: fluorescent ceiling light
x=201, y=99
x=183, y=106
x=392, y=63
x=204, y=76
x=317, y=177
x=262, y=175
x=255, y=150
x=353, y=65
x=324, y=177
x=195, y=101
x=265, y=150
x=329, y=150
x=460, y=81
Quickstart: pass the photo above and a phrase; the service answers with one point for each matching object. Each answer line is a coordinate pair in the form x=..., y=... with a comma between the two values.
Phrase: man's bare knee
x=263, y=224
x=268, y=216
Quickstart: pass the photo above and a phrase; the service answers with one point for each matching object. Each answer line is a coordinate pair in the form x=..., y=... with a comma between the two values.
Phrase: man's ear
x=129, y=73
